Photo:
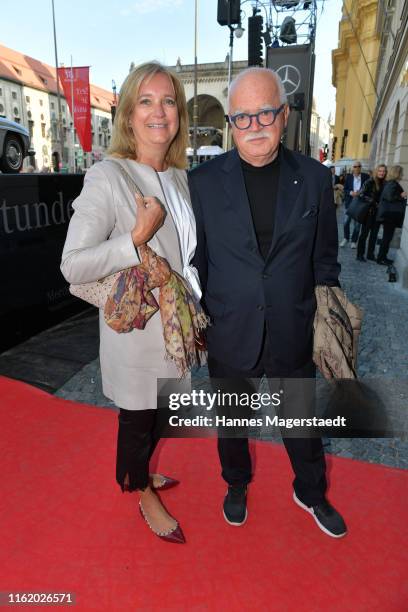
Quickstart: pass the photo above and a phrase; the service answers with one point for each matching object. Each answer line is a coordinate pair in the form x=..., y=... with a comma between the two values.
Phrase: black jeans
x=138, y=434
x=388, y=233
x=306, y=454
x=369, y=229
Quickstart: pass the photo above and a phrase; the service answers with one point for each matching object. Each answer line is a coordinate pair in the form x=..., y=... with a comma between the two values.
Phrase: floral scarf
x=131, y=304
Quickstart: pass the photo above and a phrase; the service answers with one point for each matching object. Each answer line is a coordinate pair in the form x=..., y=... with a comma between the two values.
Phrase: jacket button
x=260, y=307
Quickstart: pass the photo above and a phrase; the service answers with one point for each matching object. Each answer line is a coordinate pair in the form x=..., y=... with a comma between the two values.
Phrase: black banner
x=35, y=210
x=295, y=66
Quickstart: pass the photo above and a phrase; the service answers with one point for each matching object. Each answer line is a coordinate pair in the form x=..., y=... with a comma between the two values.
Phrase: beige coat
x=99, y=243
x=337, y=327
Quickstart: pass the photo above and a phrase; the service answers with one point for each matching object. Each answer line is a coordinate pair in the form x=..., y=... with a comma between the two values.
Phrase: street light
x=59, y=122
x=195, y=102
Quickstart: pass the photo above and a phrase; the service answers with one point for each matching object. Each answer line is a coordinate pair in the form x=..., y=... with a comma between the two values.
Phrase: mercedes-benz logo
x=290, y=77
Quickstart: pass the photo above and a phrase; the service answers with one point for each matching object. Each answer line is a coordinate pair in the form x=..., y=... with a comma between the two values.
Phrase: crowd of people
x=385, y=201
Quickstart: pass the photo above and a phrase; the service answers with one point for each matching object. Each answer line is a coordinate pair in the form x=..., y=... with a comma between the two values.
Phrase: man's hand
x=150, y=217
x=354, y=193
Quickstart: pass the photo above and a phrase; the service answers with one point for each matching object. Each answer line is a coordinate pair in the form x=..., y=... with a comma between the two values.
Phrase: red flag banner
x=75, y=83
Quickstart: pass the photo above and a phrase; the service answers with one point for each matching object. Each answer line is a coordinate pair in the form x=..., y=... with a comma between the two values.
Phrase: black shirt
x=262, y=187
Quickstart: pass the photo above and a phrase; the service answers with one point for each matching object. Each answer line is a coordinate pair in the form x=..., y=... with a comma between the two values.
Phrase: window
x=52, y=105
x=28, y=99
x=17, y=119
x=1, y=91
x=42, y=79
x=17, y=70
x=14, y=95
x=100, y=139
x=43, y=130
x=41, y=103
x=1, y=109
x=63, y=108
x=31, y=128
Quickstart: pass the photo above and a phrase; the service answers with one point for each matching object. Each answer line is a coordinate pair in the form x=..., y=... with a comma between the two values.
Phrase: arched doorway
x=55, y=157
x=211, y=120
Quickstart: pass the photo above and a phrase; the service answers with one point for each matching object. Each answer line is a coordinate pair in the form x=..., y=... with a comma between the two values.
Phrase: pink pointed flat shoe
x=168, y=483
x=175, y=536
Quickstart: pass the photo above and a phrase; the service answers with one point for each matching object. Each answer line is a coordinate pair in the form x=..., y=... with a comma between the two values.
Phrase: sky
x=109, y=34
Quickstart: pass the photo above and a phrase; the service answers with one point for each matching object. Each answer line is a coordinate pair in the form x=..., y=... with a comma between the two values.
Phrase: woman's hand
x=150, y=216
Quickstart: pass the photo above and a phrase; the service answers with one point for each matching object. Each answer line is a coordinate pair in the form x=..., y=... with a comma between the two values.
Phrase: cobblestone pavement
x=383, y=352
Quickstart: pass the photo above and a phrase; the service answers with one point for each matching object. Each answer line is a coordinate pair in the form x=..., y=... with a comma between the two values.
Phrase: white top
x=184, y=221
x=357, y=182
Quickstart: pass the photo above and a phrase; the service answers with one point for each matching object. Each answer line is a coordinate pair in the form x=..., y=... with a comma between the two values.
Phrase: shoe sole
x=236, y=524
x=326, y=531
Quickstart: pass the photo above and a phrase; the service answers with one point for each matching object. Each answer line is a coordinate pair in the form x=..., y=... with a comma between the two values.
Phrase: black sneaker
x=235, y=510
x=327, y=518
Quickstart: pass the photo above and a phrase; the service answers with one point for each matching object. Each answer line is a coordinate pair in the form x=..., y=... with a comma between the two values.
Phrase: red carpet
x=66, y=526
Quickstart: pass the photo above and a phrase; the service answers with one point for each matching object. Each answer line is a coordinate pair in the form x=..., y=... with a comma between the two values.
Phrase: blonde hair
x=395, y=173
x=375, y=174
x=123, y=142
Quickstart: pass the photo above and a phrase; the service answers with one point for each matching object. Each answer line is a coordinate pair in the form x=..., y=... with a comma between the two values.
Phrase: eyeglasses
x=243, y=121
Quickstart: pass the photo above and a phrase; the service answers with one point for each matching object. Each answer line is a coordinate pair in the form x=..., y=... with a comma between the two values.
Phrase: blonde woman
x=392, y=193
x=149, y=141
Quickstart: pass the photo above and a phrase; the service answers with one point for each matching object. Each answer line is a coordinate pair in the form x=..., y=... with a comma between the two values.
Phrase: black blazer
x=241, y=291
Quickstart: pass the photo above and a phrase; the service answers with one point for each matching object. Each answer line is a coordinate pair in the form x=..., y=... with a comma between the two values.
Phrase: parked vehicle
x=14, y=146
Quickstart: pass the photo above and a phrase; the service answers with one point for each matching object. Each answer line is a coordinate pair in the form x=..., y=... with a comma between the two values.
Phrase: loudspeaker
x=365, y=137
x=229, y=12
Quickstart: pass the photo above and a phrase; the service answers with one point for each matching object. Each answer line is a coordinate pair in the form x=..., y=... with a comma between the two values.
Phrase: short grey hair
x=259, y=70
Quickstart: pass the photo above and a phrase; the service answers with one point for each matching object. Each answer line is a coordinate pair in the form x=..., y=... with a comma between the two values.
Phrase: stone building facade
x=354, y=69
x=390, y=122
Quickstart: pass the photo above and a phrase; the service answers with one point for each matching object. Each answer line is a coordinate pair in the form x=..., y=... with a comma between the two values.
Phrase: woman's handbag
x=359, y=208
x=97, y=292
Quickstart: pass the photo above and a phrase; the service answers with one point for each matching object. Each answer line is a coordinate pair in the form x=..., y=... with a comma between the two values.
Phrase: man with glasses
x=266, y=235
x=352, y=187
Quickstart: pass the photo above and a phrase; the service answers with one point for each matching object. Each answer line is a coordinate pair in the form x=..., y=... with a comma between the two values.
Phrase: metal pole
x=59, y=123
x=195, y=105
x=231, y=47
x=73, y=115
